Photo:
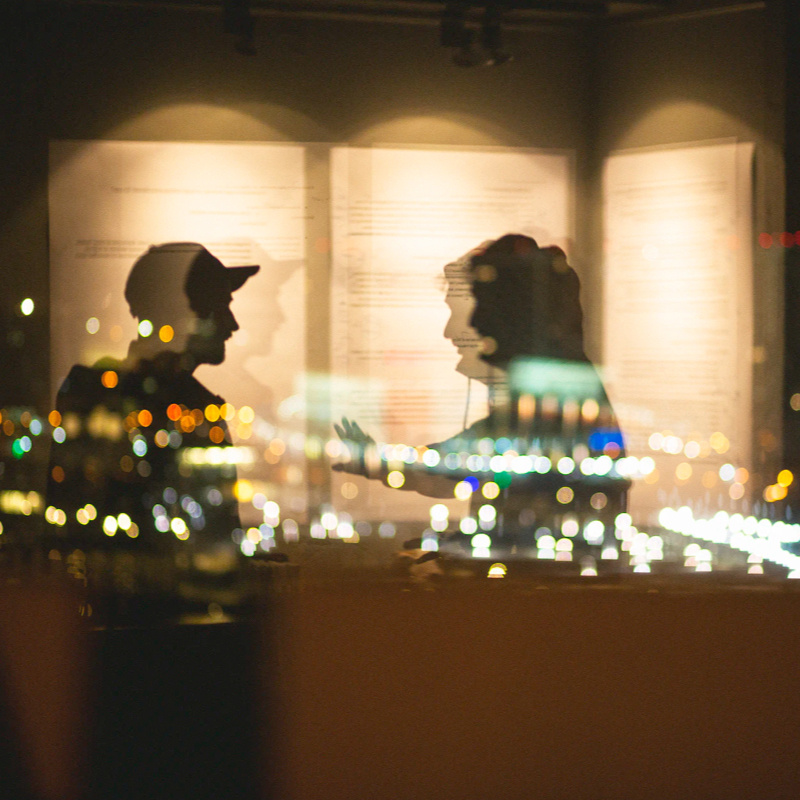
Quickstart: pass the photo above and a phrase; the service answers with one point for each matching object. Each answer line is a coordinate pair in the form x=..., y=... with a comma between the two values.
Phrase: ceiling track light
x=455, y=34
x=492, y=36
x=239, y=21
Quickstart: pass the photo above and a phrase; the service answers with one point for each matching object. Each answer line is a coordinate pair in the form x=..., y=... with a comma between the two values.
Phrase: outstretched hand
x=357, y=443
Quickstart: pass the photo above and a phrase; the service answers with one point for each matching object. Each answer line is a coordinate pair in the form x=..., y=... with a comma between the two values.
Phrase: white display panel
x=109, y=201
x=400, y=215
x=678, y=309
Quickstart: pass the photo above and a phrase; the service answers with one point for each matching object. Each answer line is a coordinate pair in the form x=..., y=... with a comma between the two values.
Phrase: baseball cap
x=187, y=268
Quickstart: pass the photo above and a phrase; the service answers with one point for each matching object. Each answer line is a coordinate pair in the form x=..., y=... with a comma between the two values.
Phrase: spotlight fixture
x=492, y=36
x=239, y=21
x=455, y=34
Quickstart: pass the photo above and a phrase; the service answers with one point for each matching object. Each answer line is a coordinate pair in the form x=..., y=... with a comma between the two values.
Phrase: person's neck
x=160, y=357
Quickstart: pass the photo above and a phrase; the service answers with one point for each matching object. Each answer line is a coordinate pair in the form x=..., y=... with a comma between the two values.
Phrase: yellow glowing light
x=741, y=475
x=719, y=442
x=246, y=414
x=395, y=479
x=133, y=531
x=216, y=434
x=124, y=521
x=565, y=495
x=166, y=333
x=227, y=411
x=109, y=379
x=736, y=491
x=785, y=478
x=178, y=526
x=709, y=479
x=683, y=471
x=590, y=410
x=774, y=493
x=243, y=490
x=110, y=526
x=488, y=345
x=349, y=490
x=490, y=490
x=26, y=306
x=526, y=407
x=212, y=412
x=497, y=571
x=333, y=448
x=254, y=535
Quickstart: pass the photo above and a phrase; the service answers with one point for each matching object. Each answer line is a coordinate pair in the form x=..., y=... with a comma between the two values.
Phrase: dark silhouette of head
x=184, y=292
x=527, y=302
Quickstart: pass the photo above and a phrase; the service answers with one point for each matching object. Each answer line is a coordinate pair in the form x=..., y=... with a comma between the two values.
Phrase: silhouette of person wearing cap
x=141, y=489
x=517, y=323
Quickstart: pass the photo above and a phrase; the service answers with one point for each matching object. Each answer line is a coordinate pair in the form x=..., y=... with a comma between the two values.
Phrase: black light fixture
x=492, y=36
x=239, y=21
x=456, y=34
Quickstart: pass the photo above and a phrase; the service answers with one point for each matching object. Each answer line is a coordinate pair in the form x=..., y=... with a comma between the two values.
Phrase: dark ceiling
x=515, y=12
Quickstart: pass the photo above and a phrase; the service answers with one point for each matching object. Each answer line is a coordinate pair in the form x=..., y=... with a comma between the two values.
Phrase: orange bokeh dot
x=57, y=473
x=145, y=417
x=174, y=411
x=109, y=379
x=54, y=418
x=216, y=434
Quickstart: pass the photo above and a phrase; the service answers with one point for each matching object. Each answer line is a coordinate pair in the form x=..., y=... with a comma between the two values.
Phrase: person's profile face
x=211, y=331
x=458, y=329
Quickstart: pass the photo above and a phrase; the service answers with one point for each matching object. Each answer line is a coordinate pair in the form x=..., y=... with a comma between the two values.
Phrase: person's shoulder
x=86, y=382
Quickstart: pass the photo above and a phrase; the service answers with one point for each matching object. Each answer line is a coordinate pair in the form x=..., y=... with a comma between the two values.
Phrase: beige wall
x=704, y=77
